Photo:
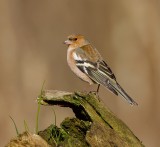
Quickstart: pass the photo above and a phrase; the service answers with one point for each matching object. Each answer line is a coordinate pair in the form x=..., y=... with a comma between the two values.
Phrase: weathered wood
x=95, y=125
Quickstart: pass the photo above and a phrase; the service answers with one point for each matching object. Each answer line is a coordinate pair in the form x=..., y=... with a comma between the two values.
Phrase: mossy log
x=95, y=125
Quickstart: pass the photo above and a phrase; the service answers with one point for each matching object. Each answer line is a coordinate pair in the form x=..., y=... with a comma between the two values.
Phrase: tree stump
x=95, y=125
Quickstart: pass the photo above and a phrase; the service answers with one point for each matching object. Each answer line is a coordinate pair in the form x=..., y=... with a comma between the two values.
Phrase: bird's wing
x=90, y=62
x=98, y=71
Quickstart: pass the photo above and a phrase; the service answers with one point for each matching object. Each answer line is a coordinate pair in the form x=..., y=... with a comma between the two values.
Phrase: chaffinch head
x=86, y=62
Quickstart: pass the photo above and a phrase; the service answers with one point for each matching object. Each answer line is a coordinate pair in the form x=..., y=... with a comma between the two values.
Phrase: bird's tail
x=117, y=89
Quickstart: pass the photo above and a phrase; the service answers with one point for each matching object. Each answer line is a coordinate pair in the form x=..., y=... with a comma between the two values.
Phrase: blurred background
x=126, y=33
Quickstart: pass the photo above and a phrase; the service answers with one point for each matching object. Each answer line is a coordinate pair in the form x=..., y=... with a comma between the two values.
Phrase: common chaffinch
x=87, y=63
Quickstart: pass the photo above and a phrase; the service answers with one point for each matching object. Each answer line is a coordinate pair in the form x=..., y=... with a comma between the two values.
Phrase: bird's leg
x=98, y=88
x=96, y=92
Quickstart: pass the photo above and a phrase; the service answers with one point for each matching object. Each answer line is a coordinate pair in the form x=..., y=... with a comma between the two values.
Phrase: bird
x=87, y=63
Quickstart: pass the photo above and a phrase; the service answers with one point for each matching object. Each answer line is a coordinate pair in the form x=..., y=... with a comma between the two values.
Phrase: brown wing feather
x=89, y=53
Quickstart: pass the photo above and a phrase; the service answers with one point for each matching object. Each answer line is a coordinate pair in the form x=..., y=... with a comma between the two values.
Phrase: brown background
x=126, y=33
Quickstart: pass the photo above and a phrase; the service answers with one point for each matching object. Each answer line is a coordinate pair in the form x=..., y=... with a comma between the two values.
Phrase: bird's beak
x=67, y=42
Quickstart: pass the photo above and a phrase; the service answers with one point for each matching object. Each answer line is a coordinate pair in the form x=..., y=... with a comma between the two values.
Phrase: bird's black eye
x=72, y=39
